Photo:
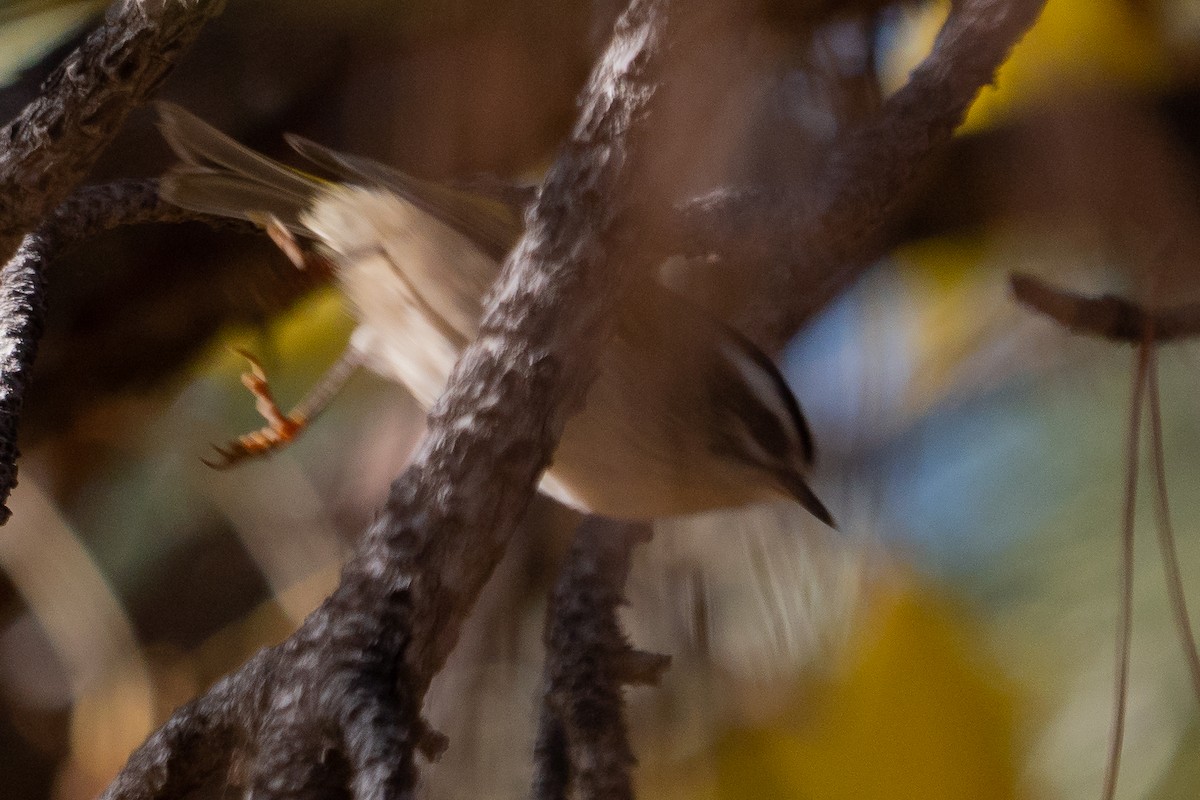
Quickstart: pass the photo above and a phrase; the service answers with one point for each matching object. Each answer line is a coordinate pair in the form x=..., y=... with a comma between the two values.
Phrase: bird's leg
x=281, y=429
x=289, y=245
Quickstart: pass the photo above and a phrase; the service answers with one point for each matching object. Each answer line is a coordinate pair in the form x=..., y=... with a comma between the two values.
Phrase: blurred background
x=954, y=640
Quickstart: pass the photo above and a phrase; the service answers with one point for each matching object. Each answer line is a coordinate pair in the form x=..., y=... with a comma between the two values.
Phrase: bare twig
x=22, y=305
x=809, y=240
x=1121, y=320
x=1109, y=316
x=347, y=687
x=1166, y=532
x=1125, y=614
x=581, y=738
x=53, y=143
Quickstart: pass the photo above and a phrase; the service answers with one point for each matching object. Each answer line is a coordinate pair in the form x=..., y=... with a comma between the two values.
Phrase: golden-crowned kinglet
x=685, y=414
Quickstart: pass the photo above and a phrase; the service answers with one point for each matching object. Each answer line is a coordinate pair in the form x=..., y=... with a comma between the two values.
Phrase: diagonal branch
x=810, y=239
x=493, y=431
x=53, y=143
x=358, y=668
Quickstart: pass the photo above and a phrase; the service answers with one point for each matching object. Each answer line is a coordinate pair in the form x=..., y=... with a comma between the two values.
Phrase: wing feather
x=219, y=176
x=492, y=224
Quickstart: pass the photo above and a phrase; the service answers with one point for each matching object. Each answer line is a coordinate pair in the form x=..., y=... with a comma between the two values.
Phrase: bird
x=686, y=415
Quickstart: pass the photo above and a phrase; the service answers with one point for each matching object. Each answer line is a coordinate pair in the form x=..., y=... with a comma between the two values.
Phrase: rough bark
x=357, y=669
x=582, y=741
x=336, y=708
x=22, y=290
x=48, y=149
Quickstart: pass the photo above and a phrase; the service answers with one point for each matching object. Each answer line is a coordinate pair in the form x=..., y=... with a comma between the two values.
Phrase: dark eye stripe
x=764, y=427
x=744, y=428
x=768, y=380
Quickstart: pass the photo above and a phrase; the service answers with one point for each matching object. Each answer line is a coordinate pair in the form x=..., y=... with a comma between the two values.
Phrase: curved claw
x=227, y=458
x=250, y=445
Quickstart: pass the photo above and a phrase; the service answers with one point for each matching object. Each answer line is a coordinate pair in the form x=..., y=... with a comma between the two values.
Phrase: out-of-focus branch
x=52, y=144
x=1108, y=316
x=22, y=306
x=795, y=248
x=551, y=760
x=343, y=695
x=581, y=736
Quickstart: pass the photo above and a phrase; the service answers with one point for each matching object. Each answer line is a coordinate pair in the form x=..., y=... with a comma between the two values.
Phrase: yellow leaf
x=917, y=713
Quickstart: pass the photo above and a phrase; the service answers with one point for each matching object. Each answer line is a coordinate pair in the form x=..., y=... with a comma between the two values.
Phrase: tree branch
x=44, y=153
x=581, y=736
x=54, y=142
x=796, y=247
x=351, y=680
x=1108, y=316
x=86, y=213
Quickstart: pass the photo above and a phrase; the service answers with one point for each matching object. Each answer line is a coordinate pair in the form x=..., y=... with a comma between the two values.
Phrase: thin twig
x=1121, y=320
x=1125, y=614
x=1166, y=534
x=1107, y=316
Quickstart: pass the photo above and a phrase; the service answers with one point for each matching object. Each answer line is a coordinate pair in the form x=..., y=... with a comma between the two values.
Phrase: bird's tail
x=221, y=177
